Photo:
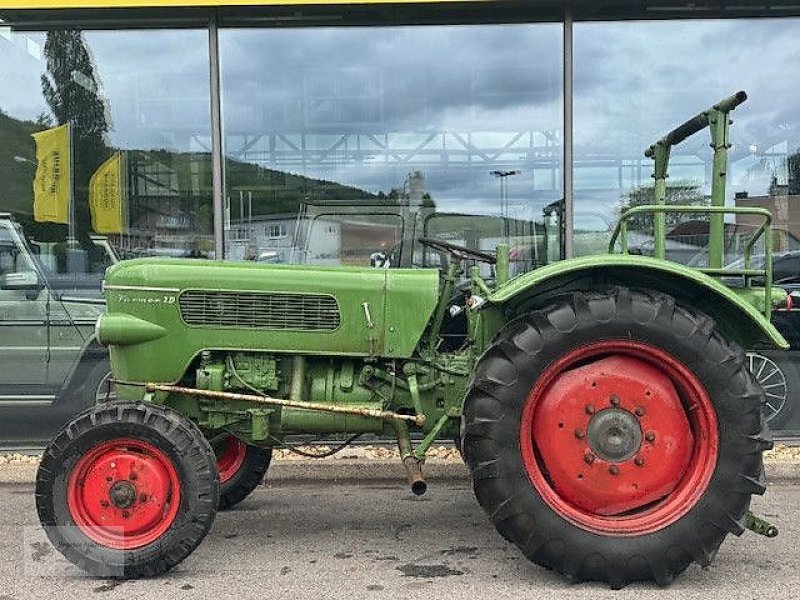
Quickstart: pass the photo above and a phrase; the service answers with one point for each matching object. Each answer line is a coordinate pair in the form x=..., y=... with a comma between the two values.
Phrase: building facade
x=327, y=132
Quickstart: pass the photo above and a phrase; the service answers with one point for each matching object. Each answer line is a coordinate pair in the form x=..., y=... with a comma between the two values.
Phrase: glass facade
x=343, y=145
x=339, y=147
x=622, y=106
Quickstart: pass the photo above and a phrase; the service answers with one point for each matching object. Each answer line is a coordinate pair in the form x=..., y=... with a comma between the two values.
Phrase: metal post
x=568, y=150
x=71, y=189
x=661, y=158
x=720, y=127
x=217, y=156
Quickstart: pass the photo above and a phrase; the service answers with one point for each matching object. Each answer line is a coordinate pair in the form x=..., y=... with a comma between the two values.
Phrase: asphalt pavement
x=375, y=540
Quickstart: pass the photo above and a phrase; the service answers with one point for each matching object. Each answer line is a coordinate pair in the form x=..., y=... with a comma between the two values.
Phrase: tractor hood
x=162, y=312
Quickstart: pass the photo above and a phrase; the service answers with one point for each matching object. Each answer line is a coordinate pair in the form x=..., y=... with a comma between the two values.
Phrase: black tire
x=777, y=374
x=98, y=384
x=492, y=442
x=246, y=478
x=188, y=454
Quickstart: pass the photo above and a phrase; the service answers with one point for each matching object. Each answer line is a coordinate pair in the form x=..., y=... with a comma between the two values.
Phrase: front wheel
x=242, y=467
x=127, y=490
x=615, y=436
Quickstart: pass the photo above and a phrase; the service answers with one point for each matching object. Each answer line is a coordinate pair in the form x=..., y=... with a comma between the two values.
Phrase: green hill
x=273, y=192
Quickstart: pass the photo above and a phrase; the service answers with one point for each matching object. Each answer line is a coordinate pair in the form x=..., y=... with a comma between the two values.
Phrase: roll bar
x=696, y=123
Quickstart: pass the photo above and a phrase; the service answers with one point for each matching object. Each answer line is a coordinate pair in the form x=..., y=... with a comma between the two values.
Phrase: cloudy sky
x=457, y=95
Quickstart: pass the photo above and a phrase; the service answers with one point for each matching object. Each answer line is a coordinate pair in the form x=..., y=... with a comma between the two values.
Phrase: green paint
x=737, y=316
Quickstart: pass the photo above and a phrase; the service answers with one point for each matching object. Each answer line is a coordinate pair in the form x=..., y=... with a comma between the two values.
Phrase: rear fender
x=735, y=317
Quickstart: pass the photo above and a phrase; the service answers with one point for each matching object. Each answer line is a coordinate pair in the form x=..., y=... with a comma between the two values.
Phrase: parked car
x=778, y=371
x=51, y=368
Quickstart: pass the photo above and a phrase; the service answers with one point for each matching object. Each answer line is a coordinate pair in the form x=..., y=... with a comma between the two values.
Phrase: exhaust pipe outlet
x=414, y=474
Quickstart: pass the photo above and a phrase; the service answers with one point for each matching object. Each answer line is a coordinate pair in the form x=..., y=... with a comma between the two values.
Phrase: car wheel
x=779, y=379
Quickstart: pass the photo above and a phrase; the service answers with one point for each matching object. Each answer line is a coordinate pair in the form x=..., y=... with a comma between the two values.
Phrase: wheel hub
x=122, y=494
x=231, y=453
x=614, y=435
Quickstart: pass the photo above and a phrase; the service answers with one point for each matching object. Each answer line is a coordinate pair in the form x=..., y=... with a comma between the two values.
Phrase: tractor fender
x=735, y=317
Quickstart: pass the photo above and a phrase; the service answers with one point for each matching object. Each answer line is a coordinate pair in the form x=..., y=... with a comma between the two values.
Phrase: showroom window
x=127, y=113
x=681, y=68
x=634, y=82
x=357, y=141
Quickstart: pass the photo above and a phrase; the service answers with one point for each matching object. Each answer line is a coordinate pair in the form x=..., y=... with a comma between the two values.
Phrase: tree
x=793, y=168
x=792, y=184
x=678, y=193
x=70, y=85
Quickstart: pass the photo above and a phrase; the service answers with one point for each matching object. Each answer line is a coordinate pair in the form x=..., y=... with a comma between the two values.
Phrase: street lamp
x=502, y=176
x=22, y=160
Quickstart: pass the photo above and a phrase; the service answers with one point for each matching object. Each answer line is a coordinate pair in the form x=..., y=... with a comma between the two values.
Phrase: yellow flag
x=106, y=196
x=52, y=186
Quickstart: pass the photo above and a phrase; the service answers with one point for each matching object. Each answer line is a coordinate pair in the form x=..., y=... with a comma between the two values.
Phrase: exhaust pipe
x=413, y=468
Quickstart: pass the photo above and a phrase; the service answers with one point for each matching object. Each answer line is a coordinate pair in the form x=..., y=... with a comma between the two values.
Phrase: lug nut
x=103, y=503
x=650, y=436
x=614, y=470
x=125, y=514
x=639, y=411
x=588, y=457
x=614, y=401
x=580, y=434
x=638, y=461
x=143, y=498
x=589, y=409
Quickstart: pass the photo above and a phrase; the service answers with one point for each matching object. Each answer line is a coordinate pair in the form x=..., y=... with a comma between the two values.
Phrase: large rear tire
x=127, y=490
x=242, y=468
x=615, y=436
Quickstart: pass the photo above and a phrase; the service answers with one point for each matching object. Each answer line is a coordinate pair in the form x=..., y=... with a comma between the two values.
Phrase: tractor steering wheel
x=458, y=252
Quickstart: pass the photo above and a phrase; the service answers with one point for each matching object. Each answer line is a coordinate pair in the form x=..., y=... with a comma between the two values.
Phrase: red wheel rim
x=619, y=437
x=230, y=457
x=124, y=493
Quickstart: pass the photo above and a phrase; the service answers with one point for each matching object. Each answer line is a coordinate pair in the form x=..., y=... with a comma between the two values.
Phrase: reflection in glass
x=681, y=68
x=120, y=167
x=135, y=158
x=341, y=145
x=622, y=106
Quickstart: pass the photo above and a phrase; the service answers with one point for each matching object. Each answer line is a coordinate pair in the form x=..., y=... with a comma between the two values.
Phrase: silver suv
x=50, y=364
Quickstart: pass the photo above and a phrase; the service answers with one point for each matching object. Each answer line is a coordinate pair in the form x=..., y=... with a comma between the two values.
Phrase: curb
x=366, y=470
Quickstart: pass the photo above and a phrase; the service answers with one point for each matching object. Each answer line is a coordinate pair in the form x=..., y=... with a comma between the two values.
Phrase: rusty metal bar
x=362, y=412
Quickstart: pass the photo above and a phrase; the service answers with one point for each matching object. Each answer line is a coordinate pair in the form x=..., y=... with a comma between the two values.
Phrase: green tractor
x=603, y=405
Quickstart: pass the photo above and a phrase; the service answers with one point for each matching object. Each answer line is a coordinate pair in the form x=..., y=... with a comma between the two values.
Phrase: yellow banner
x=53, y=182
x=107, y=196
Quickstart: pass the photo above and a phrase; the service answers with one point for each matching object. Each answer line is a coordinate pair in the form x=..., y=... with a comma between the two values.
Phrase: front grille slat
x=301, y=312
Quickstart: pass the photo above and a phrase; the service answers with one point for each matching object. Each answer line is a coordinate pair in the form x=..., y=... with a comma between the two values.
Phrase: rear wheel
x=242, y=468
x=615, y=436
x=127, y=490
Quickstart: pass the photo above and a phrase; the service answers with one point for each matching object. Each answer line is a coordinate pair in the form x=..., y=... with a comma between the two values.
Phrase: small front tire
x=242, y=468
x=127, y=490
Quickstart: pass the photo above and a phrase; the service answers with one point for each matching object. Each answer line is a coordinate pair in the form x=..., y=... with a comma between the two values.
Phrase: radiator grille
x=264, y=310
